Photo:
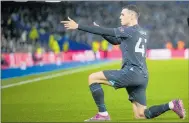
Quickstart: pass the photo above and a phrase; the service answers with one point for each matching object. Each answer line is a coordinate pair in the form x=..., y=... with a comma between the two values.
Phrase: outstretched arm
x=110, y=39
x=71, y=24
x=114, y=32
x=97, y=30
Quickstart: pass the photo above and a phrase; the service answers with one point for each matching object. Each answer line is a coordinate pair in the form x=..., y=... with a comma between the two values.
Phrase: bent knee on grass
x=97, y=77
x=138, y=110
x=139, y=115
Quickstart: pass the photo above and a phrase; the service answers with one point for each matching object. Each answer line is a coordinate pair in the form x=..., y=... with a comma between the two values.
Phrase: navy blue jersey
x=133, y=44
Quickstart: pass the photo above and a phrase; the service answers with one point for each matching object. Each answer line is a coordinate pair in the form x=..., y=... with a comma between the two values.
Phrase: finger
x=69, y=18
x=68, y=28
x=66, y=24
x=64, y=21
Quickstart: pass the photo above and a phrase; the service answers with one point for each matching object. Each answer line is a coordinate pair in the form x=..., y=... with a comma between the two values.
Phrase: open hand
x=70, y=24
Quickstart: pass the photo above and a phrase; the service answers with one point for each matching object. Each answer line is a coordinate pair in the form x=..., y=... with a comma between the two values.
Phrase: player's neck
x=133, y=23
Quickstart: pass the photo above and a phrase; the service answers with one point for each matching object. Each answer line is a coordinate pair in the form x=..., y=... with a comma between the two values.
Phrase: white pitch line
x=57, y=75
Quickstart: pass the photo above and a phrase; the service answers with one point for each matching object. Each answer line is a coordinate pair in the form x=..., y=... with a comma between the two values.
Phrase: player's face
x=125, y=17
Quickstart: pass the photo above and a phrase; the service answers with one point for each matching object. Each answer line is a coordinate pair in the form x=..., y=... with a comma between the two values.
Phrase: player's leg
x=98, y=77
x=156, y=110
x=95, y=80
x=138, y=110
x=135, y=111
x=138, y=98
x=137, y=95
x=112, y=78
x=141, y=112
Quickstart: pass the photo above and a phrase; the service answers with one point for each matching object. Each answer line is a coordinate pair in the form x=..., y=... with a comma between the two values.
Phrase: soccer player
x=133, y=76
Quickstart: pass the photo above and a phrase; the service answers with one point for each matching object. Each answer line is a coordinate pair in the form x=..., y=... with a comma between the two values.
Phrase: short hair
x=133, y=8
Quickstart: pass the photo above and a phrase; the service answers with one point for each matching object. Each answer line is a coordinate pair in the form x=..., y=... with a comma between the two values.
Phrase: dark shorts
x=131, y=78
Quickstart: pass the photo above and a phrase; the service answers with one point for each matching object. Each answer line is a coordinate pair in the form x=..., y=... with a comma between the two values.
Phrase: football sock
x=155, y=111
x=98, y=96
x=171, y=106
x=103, y=113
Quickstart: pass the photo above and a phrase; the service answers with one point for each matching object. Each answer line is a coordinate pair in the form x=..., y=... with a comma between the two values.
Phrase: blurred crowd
x=23, y=23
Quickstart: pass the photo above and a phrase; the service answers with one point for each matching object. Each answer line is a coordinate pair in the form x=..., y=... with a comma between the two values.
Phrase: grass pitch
x=67, y=98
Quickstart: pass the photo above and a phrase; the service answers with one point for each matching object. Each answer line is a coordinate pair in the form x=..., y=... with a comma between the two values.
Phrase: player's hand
x=95, y=24
x=70, y=24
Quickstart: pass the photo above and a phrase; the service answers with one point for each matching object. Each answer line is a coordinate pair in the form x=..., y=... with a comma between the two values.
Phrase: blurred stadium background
x=34, y=44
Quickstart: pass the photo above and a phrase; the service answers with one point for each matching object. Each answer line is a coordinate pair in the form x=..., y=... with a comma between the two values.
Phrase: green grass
x=68, y=99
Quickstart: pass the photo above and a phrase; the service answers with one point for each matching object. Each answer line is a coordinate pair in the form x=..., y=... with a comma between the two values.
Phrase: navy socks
x=98, y=96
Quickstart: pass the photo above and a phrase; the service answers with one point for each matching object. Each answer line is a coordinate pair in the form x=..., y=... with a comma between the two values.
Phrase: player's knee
x=141, y=114
x=136, y=116
x=91, y=78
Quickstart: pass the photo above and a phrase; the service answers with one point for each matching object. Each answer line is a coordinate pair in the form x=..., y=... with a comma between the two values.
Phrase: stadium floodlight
x=52, y=1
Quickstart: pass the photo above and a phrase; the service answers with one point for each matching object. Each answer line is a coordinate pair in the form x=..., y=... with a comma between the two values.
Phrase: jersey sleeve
x=123, y=32
x=112, y=40
x=97, y=30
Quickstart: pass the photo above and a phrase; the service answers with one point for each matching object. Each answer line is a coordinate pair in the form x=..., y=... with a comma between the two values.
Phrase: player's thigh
x=98, y=77
x=137, y=94
x=134, y=77
x=115, y=78
x=129, y=76
x=122, y=78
